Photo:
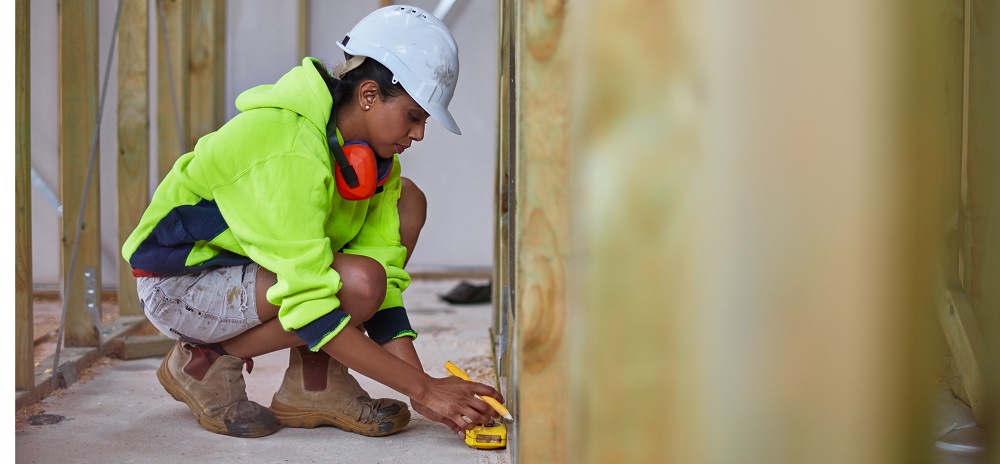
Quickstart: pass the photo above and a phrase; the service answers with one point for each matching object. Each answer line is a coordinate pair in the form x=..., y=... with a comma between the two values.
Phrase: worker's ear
x=368, y=94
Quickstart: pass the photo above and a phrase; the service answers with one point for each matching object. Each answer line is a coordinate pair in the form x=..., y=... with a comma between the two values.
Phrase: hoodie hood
x=301, y=90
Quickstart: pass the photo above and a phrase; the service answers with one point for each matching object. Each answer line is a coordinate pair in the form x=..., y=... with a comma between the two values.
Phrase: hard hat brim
x=443, y=117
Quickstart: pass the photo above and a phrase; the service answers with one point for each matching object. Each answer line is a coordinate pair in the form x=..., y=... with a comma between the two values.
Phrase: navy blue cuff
x=320, y=331
x=388, y=324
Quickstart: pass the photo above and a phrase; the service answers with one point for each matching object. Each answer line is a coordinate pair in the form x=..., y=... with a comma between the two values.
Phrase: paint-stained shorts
x=215, y=305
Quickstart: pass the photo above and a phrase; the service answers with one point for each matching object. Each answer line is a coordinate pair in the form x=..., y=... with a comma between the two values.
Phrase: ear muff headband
x=344, y=167
x=360, y=174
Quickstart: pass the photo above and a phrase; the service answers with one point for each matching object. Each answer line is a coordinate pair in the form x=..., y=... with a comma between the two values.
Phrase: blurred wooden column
x=133, y=137
x=24, y=377
x=961, y=330
x=981, y=258
x=77, y=118
x=756, y=218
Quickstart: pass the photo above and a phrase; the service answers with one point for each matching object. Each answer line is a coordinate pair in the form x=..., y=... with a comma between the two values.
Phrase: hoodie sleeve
x=277, y=208
x=379, y=239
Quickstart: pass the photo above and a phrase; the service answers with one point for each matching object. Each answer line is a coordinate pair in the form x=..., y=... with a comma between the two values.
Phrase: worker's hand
x=430, y=414
x=451, y=400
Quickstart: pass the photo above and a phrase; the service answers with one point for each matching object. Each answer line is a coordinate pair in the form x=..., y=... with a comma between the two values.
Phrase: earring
x=367, y=107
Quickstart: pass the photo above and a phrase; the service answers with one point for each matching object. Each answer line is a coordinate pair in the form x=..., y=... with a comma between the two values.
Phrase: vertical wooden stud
x=983, y=207
x=505, y=207
x=952, y=15
x=640, y=194
x=24, y=318
x=961, y=329
x=541, y=226
x=757, y=230
x=304, y=31
x=500, y=191
x=981, y=135
x=206, y=69
x=78, y=94
x=133, y=137
x=172, y=83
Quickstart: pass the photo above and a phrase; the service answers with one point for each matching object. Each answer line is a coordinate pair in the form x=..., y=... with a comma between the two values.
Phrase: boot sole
x=290, y=416
x=177, y=391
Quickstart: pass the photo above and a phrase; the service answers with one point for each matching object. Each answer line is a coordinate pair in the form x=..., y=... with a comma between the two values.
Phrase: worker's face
x=394, y=124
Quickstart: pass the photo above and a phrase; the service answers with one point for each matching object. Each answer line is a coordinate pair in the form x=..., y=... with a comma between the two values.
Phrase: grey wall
x=455, y=172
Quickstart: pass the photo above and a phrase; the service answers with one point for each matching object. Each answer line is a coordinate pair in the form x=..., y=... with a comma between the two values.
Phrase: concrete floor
x=121, y=414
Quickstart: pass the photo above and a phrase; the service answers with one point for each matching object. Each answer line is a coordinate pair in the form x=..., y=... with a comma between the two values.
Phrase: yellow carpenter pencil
x=490, y=401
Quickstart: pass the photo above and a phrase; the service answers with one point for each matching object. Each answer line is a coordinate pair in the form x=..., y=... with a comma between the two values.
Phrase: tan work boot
x=212, y=385
x=317, y=390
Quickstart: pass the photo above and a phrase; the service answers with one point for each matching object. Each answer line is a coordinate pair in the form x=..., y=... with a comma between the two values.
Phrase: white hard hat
x=418, y=49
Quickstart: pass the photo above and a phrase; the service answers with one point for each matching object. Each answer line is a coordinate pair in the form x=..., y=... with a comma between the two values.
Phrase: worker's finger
x=479, y=412
x=453, y=426
x=486, y=390
x=462, y=422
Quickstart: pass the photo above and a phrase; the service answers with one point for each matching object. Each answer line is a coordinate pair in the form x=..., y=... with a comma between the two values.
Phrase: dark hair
x=342, y=90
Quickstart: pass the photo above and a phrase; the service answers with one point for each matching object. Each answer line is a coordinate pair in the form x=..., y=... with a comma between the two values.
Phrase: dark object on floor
x=467, y=293
x=45, y=419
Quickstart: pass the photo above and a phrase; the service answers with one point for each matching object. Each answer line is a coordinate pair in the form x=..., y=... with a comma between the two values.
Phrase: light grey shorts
x=215, y=305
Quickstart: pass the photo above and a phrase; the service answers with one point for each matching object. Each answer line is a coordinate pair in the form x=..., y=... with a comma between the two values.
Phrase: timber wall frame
x=599, y=300
x=733, y=232
x=195, y=30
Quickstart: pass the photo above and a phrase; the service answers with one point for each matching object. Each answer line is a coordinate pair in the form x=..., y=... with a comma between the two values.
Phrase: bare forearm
x=447, y=399
x=403, y=349
x=360, y=353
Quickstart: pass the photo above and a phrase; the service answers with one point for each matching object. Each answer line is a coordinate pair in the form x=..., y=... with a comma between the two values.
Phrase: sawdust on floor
x=47, y=313
x=478, y=368
x=23, y=415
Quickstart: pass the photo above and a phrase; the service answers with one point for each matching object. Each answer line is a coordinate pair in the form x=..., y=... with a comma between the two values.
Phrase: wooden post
x=133, y=137
x=541, y=226
x=206, y=71
x=304, y=31
x=981, y=135
x=952, y=103
x=503, y=327
x=756, y=230
x=982, y=258
x=78, y=105
x=958, y=320
x=24, y=378
x=173, y=85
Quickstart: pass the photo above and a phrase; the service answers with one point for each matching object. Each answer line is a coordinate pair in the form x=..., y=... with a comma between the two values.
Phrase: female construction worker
x=289, y=227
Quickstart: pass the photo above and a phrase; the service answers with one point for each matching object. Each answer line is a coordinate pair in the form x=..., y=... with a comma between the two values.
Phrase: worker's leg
x=412, y=215
x=317, y=389
x=198, y=310
x=360, y=296
x=204, y=369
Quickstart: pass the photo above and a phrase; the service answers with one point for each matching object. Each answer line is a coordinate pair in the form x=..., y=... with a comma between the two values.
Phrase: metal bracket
x=90, y=297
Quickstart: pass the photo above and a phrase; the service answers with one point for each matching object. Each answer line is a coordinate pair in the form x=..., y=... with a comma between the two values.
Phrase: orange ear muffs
x=361, y=173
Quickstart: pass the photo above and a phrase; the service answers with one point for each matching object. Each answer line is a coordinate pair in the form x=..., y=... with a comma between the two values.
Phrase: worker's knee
x=412, y=202
x=364, y=284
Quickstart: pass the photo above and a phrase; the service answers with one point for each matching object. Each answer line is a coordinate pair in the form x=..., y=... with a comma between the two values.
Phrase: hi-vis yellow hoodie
x=262, y=189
